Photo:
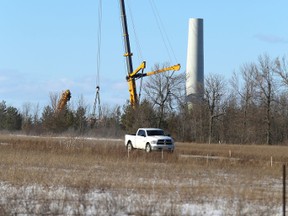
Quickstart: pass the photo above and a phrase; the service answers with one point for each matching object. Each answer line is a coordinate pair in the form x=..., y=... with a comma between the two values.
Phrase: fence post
x=284, y=190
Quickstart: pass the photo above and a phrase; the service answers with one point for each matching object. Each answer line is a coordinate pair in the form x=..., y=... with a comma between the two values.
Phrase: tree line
x=249, y=108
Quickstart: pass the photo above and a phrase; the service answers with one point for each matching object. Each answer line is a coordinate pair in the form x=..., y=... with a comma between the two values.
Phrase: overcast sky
x=48, y=46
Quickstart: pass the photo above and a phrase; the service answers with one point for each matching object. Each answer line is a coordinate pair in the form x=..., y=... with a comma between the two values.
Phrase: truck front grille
x=164, y=142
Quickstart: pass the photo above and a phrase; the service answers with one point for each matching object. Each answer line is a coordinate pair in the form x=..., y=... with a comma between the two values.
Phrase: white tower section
x=195, y=62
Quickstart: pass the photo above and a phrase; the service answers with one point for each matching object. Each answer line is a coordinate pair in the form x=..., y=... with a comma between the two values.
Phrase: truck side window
x=141, y=133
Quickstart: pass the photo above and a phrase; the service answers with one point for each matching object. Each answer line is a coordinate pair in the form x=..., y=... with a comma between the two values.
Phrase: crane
x=134, y=74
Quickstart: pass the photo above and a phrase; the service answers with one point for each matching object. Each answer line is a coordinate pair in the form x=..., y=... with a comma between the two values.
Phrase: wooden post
x=284, y=190
x=230, y=154
x=271, y=161
x=162, y=154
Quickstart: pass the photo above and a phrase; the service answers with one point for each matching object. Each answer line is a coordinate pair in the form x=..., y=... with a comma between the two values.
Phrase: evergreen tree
x=80, y=120
x=2, y=114
x=10, y=118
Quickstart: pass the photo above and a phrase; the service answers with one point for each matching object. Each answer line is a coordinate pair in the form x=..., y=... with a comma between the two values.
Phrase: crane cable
x=163, y=32
x=138, y=46
x=164, y=36
x=98, y=62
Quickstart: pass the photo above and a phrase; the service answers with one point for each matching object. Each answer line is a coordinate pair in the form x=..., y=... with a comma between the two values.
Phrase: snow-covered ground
x=72, y=137
x=39, y=200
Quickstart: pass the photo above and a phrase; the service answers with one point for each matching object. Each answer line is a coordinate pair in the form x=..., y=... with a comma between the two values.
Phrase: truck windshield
x=155, y=132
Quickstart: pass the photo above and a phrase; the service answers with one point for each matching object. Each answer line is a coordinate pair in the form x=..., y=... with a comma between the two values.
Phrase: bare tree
x=246, y=93
x=26, y=118
x=282, y=69
x=214, y=96
x=266, y=90
x=36, y=118
x=164, y=90
x=54, y=98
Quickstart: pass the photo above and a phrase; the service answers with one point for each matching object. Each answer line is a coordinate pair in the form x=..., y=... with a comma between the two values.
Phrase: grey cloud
x=270, y=38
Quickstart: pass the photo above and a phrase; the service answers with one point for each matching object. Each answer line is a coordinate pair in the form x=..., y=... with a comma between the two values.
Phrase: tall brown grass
x=85, y=165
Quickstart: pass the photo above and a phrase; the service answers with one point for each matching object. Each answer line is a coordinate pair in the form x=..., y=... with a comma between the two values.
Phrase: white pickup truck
x=149, y=139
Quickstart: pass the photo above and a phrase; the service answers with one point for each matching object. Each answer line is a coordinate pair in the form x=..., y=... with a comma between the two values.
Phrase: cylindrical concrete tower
x=195, y=62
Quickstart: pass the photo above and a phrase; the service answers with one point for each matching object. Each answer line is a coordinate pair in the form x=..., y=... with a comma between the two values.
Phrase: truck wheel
x=129, y=146
x=148, y=148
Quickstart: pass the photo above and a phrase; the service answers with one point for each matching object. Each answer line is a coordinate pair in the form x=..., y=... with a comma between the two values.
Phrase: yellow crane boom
x=171, y=68
x=66, y=96
x=137, y=75
x=134, y=74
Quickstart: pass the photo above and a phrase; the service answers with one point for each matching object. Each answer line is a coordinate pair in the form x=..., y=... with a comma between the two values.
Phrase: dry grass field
x=77, y=176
